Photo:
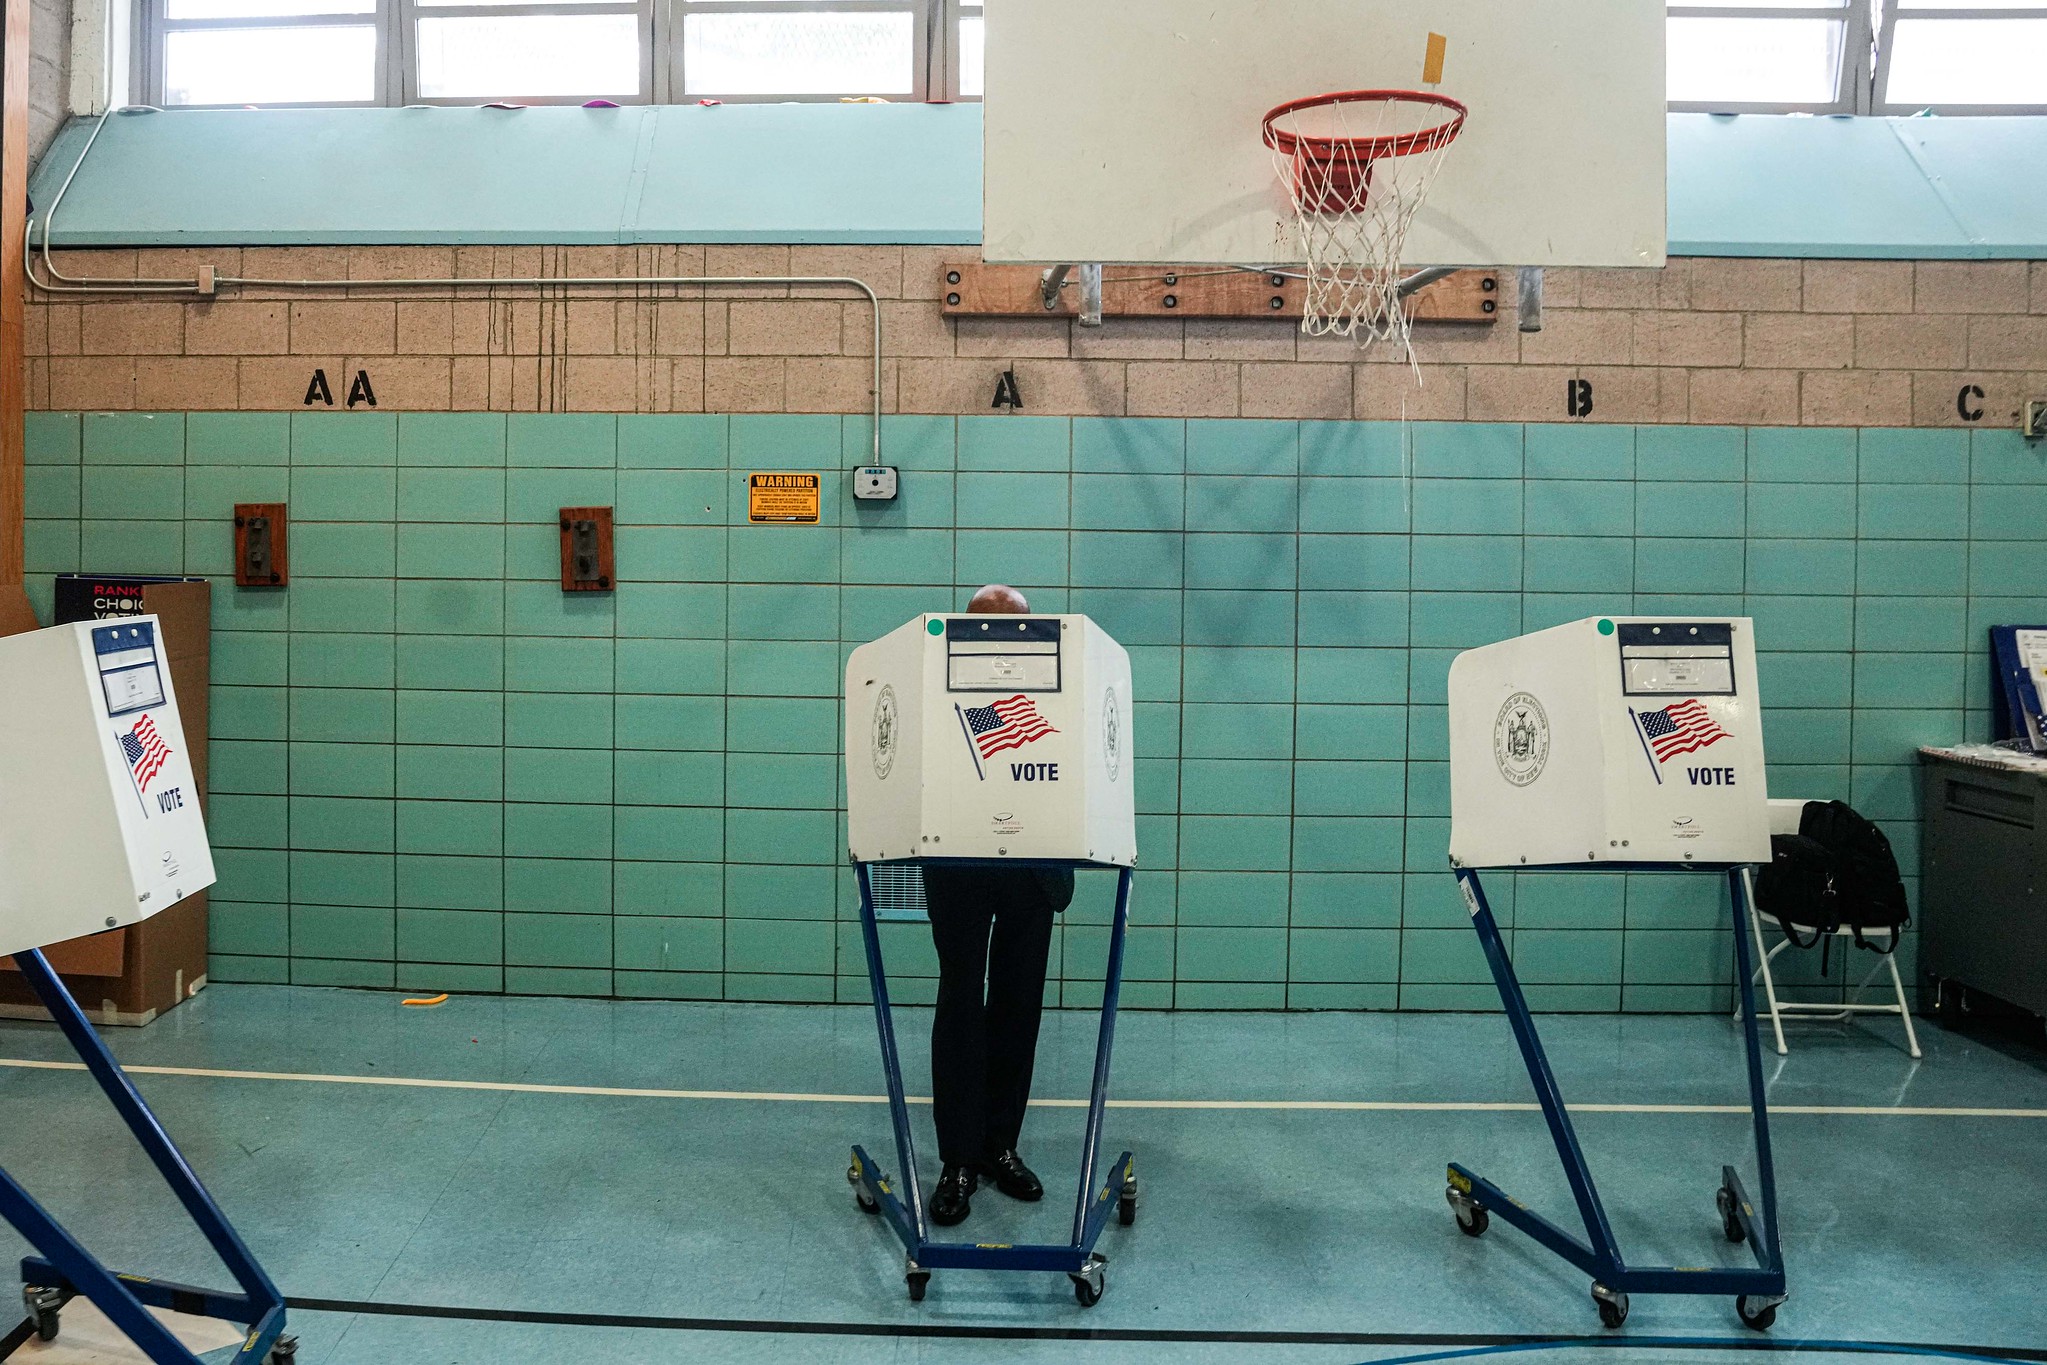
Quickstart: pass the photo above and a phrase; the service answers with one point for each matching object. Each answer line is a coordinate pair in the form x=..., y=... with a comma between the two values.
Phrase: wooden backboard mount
x=976, y=289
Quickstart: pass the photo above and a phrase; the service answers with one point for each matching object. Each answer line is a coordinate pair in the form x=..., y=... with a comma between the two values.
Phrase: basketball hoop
x=1356, y=166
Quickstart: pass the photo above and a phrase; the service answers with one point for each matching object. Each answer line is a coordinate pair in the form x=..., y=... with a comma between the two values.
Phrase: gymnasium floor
x=485, y=1168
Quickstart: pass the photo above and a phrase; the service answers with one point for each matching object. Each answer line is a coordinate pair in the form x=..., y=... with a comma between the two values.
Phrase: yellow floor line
x=802, y=1097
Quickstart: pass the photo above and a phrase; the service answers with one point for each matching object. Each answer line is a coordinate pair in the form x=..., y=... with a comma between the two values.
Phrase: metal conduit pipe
x=58, y=283
x=84, y=284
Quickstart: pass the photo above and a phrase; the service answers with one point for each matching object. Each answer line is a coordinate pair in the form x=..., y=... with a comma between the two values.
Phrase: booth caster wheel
x=284, y=1351
x=1472, y=1219
x=1730, y=1221
x=1126, y=1204
x=918, y=1279
x=44, y=1306
x=1757, y=1311
x=1089, y=1284
x=1613, y=1305
x=867, y=1202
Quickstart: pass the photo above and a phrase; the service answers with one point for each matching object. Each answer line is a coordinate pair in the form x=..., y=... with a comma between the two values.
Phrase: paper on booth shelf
x=2032, y=650
x=99, y=814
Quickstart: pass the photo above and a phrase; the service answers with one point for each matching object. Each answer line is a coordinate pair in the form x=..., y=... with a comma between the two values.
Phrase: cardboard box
x=16, y=615
x=184, y=606
x=131, y=975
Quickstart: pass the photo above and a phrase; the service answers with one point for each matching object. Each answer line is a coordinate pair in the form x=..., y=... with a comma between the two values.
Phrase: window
x=338, y=52
x=1859, y=56
x=1984, y=56
x=465, y=51
x=267, y=52
x=970, y=43
x=1768, y=55
x=785, y=48
x=1732, y=56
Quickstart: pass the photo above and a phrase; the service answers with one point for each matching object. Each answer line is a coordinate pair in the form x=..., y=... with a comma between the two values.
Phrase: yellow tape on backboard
x=1432, y=64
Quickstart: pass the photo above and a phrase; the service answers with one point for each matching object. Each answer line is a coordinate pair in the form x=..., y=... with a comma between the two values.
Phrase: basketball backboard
x=1129, y=131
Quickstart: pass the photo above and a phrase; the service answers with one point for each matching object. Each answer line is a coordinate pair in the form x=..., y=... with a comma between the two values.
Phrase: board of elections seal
x=884, y=732
x=1521, y=739
x=1112, y=734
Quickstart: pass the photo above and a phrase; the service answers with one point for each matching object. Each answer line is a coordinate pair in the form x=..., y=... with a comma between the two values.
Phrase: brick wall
x=1715, y=341
x=49, y=72
x=435, y=770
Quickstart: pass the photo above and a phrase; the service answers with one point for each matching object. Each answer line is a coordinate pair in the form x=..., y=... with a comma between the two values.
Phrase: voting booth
x=104, y=829
x=1612, y=739
x=990, y=737
x=1614, y=744
x=100, y=827
x=992, y=740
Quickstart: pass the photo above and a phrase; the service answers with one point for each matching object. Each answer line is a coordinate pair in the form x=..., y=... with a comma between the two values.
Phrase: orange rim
x=1364, y=149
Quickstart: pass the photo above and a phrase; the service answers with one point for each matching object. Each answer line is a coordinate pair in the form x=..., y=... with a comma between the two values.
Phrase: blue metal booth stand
x=1757, y=1291
x=877, y=1194
x=66, y=1269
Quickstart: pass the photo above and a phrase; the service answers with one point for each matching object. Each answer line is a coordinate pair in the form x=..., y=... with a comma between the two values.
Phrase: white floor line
x=801, y=1097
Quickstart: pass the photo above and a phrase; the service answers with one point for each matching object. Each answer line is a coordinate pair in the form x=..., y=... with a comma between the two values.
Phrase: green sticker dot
x=938, y=627
x=1606, y=627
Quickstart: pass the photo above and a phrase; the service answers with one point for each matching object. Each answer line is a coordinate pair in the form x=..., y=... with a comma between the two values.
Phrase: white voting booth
x=992, y=740
x=1622, y=743
x=99, y=818
x=100, y=827
x=990, y=737
x=1612, y=739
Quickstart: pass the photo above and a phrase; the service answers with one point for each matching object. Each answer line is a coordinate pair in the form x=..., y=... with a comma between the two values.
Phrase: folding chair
x=1784, y=817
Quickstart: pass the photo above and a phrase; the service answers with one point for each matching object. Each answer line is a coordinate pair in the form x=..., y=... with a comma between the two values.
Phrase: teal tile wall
x=432, y=770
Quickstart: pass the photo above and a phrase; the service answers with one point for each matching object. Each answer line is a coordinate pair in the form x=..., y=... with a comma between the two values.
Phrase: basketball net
x=1351, y=215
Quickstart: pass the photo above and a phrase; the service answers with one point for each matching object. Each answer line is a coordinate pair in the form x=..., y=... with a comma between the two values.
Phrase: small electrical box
x=586, y=549
x=2032, y=425
x=259, y=545
x=875, y=482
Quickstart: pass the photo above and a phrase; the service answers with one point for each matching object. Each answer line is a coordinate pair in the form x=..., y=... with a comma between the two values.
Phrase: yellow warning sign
x=782, y=497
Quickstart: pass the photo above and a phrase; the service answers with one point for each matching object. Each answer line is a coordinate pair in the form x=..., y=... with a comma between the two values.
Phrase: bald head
x=999, y=599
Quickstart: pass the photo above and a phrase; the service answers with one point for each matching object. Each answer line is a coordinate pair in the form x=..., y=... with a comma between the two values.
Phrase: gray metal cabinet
x=1982, y=892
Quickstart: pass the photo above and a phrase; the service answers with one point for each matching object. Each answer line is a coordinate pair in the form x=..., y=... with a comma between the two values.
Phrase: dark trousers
x=993, y=928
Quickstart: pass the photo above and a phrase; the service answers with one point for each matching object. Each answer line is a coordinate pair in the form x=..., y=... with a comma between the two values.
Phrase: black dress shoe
x=950, y=1203
x=1012, y=1177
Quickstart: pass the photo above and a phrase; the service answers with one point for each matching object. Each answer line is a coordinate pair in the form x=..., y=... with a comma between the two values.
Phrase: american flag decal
x=1680, y=728
x=146, y=751
x=1007, y=724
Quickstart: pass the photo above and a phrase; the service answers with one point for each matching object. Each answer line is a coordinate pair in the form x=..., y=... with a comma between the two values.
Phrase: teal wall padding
x=432, y=769
x=1748, y=185
x=673, y=173
x=1886, y=188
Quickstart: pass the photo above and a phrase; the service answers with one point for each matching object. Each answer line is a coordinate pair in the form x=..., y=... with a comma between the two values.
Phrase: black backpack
x=1837, y=872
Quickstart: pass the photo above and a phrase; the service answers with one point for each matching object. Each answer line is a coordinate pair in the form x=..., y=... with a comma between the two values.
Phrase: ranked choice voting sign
x=99, y=819
x=1627, y=739
x=991, y=737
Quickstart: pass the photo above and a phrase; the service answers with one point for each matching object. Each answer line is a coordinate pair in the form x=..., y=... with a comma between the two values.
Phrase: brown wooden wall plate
x=586, y=549
x=976, y=289
x=261, y=559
